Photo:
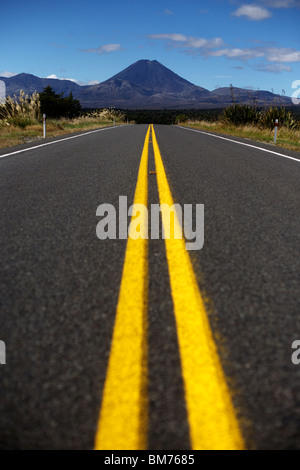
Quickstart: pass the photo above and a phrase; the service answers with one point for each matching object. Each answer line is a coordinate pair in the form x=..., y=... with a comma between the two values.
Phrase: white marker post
x=44, y=125
x=276, y=127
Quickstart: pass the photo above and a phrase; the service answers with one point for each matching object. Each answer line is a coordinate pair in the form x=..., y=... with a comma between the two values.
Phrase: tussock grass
x=21, y=120
x=286, y=138
x=13, y=134
x=21, y=110
x=264, y=118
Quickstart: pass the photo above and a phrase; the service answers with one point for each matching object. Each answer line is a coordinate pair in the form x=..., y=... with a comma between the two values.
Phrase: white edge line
x=240, y=143
x=60, y=140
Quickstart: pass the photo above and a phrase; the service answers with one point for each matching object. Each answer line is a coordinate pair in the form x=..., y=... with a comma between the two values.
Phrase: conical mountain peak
x=153, y=75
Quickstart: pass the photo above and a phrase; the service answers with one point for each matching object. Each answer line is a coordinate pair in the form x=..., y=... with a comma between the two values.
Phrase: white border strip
x=60, y=140
x=240, y=143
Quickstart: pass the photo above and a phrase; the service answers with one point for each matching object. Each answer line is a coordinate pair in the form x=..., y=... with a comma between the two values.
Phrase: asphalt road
x=60, y=285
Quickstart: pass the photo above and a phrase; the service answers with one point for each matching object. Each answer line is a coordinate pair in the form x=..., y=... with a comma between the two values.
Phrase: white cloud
x=215, y=48
x=272, y=54
x=168, y=12
x=282, y=54
x=105, y=49
x=7, y=74
x=260, y=10
x=55, y=77
x=253, y=12
x=171, y=37
x=78, y=82
x=199, y=43
x=281, y=3
x=237, y=53
x=189, y=43
x=272, y=68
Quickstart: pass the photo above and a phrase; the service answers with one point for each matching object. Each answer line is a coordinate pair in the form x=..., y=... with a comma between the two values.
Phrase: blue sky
x=210, y=43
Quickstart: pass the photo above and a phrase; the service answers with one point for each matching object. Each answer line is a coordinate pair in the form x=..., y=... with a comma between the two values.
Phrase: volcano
x=146, y=84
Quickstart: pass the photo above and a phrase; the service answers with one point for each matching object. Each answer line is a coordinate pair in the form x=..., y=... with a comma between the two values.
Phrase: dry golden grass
x=20, y=110
x=286, y=138
x=20, y=121
x=11, y=135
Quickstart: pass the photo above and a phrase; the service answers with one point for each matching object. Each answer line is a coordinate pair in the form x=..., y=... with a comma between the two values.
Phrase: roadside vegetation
x=170, y=116
x=21, y=117
x=256, y=124
x=238, y=120
x=286, y=138
x=250, y=121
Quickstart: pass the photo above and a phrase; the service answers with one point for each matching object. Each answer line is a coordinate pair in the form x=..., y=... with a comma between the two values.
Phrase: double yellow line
x=123, y=421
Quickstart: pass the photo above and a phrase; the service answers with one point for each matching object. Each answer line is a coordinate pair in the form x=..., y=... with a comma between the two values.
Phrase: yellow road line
x=212, y=420
x=124, y=411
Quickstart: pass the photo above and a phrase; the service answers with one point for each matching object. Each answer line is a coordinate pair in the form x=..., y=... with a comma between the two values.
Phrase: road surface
x=183, y=342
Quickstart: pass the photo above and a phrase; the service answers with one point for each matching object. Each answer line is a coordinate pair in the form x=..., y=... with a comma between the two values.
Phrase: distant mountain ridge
x=30, y=83
x=144, y=85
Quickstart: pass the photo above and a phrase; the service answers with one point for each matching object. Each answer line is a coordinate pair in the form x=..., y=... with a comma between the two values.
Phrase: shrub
x=181, y=118
x=268, y=116
x=56, y=106
x=21, y=121
x=239, y=114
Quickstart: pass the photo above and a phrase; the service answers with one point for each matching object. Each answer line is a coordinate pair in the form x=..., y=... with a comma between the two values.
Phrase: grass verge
x=286, y=138
x=11, y=135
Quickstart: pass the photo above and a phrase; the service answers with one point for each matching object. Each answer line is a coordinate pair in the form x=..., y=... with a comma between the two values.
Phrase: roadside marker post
x=44, y=125
x=276, y=128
